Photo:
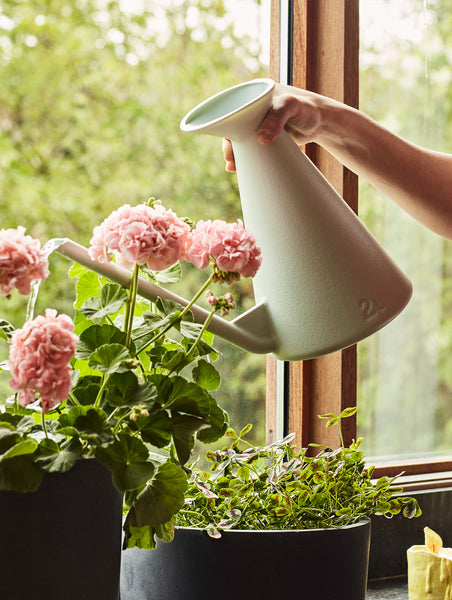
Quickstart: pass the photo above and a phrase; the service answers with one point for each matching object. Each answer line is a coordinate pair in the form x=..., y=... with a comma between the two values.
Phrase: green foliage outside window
x=91, y=99
x=406, y=369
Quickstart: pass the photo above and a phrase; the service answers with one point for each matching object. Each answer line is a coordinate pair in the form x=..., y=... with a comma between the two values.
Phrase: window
x=404, y=370
x=323, y=44
x=318, y=46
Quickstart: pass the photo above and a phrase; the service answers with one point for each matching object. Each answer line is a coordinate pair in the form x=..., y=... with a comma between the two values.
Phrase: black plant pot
x=62, y=542
x=308, y=564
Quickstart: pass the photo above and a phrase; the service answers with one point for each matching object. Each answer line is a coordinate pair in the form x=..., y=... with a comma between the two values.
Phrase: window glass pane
x=91, y=99
x=405, y=374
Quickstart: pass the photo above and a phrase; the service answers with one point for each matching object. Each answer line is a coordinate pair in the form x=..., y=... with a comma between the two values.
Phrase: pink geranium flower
x=21, y=261
x=39, y=357
x=232, y=248
x=150, y=235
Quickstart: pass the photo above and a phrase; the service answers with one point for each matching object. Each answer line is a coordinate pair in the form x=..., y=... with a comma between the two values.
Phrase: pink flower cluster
x=232, y=248
x=156, y=237
x=21, y=261
x=38, y=359
x=150, y=235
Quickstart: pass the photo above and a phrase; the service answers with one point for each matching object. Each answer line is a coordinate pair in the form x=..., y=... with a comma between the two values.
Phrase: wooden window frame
x=320, y=43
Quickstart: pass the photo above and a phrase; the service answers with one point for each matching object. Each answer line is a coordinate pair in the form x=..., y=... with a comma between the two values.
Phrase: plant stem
x=44, y=426
x=74, y=400
x=125, y=416
x=113, y=413
x=200, y=334
x=181, y=315
x=202, y=289
x=100, y=392
x=131, y=303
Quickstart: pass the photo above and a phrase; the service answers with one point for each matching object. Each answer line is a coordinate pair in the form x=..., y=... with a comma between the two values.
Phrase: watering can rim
x=185, y=123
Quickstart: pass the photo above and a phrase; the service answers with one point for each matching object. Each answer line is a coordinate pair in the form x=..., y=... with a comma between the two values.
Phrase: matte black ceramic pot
x=308, y=564
x=62, y=542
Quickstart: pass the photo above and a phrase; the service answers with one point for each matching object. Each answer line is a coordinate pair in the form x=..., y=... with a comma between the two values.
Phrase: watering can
x=325, y=282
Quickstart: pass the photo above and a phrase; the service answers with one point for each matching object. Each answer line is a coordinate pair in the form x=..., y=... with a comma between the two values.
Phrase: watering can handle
x=251, y=330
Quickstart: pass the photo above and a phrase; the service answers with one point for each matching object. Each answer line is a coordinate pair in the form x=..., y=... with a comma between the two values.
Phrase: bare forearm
x=418, y=180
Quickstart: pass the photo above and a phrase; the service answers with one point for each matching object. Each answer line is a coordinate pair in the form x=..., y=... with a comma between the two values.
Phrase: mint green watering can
x=325, y=282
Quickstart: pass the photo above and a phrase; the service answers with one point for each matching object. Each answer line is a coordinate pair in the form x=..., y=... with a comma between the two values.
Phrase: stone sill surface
x=387, y=589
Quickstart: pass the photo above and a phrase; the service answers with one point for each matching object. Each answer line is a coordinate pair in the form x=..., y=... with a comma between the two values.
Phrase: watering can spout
x=325, y=282
x=251, y=331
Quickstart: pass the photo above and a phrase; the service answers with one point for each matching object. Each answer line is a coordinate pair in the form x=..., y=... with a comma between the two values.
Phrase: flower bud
x=212, y=299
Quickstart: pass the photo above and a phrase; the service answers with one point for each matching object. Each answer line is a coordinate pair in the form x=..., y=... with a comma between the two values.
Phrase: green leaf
x=112, y=298
x=201, y=348
x=6, y=330
x=348, y=412
x=124, y=389
x=86, y=420
x=246, y=430
x=125, y=448
x=231, y=433
x=218, y=424
x=382, y=483
x=243, y=473
x=411, y=510
x=81, y=322
x=88, y=284
x=154, y=322
x=54, y=459
x=165, y=531
x=155, y=429
x=70, y=431
x=206, y=375
x=208, y=337
x=87, y=390
x=127, y=458
x=174, y=360
x=143, y=334
x=170, y=275
x=132, y=476
x=167, y=306
x=162, y=498
x=20, y=474
x=188, y=397
x=96, y=336
x=21, y=423
x=183, y=428
x=327, y=416
x=189, y=329
x=139, y=537
x=109, y=359
x=27, y=446
x=8, y=437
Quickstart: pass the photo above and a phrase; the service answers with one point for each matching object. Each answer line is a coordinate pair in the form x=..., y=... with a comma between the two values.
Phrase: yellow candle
x=430, y=569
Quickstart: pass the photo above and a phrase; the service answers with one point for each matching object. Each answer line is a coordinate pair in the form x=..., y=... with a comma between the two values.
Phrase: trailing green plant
x=281, y=487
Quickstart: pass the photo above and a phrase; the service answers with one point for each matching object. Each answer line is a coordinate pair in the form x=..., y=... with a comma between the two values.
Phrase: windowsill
x=388, y=589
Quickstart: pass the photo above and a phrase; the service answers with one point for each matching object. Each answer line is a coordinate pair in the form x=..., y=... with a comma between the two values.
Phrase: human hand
x=297, y=111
